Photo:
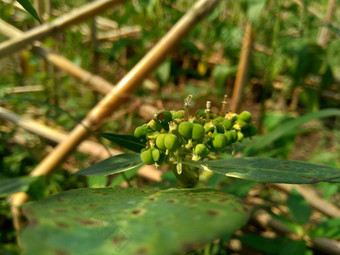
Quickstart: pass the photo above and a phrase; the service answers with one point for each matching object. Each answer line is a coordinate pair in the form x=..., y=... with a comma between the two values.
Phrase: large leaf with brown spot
x=271, y=170
x=129, y=221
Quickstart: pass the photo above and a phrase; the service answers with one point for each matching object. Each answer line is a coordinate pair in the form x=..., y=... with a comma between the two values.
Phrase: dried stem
x=243, y=68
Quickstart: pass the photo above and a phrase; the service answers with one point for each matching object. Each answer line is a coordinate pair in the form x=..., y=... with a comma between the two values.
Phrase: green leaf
x=163, y=72
x=287, y=127
x=270, y=170
x=127, y=141
x=113, y=165
x=14, y=185
x=298, y=207
x=328, y=229
x=129, y=221
x=29, y=8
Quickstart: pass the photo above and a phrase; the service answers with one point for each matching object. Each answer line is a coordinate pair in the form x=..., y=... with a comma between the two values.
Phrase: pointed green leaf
x=129, y=221
x=113, y=165
x=29, y=8
x=14, y=185
x=127, y=141
x=298, y=207
x=287, y=127
x=271, y=170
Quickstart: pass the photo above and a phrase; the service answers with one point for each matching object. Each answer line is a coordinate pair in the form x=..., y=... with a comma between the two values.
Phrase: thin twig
x=76, y=16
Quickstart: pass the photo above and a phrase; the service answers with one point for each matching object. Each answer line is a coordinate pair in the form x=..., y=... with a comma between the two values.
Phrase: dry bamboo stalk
x=266, y=221
x=38, y=33
x=243, y=68
x=96, y=82
x=87, y=147
x=120, y=93
x=324, y=32
x=313, y=199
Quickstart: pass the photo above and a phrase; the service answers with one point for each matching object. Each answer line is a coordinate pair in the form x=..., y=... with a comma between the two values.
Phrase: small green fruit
x=201, y=113
x=160, y=141
x=220, y=142
x=156, y=154
x=201, y=150
x=219, y=128
x=141, y=131
x=245, y=116
x=185, y=129
x=197, y=132
x=164, y=117
x=231, y=135
x=226, y=123
x=177, y=114
x=240, y=136
x=146, y=157
x=171, y=142
x=150, y=156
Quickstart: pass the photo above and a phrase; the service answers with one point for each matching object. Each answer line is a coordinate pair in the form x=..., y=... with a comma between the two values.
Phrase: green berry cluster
x=173, y=135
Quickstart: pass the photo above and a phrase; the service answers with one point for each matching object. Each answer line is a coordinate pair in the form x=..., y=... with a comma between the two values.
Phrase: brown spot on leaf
x=213, y=212
x=137, y=211
x=61, y=252
x=86, y=222
x=171, y=201
x=152, y=199
x=142, y=251
x=119, y=239
x=59, y=199
x=93, y=205
x=190, y=246
x=33, y=222
x=62, y=225
x=206, y=199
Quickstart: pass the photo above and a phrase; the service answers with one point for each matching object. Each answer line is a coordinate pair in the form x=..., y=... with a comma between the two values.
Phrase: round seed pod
x=250, y=130
x=146, y=157
x=240, y=136
x=171, y=142
x=231, y=135
x=156, y=155
x=201, y=113
x=201, y=150
x=219, y=128
x=164, y=116
x=141, y=131
x=197, y=132
x=160, y=141
x=177, y=114
x=218, y=119
x=245, y=116
x=185, y=129
x=226, y=123
x=219, y=142
x=150, y=156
